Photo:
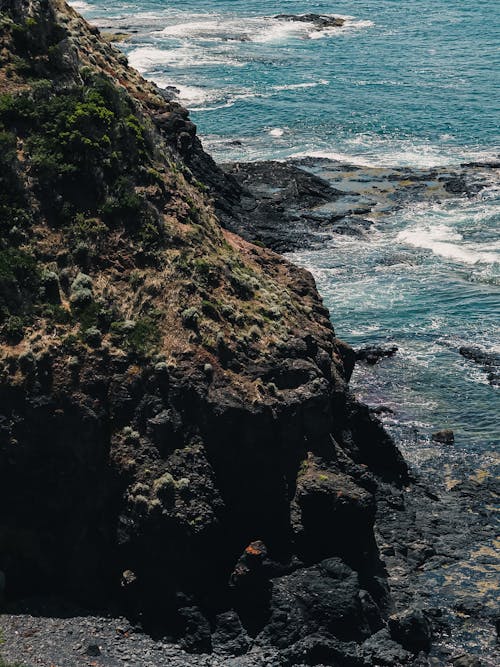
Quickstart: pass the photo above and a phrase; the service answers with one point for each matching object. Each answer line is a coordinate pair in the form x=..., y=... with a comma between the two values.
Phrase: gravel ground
x=96, y=641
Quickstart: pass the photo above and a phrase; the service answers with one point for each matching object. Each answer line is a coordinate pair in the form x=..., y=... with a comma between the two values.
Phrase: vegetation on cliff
x=88, y=187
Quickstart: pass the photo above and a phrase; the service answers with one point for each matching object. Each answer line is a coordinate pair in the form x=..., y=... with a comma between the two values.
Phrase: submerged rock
x=320, y=21
x=373, y=354
x=490, y=362
x=446, y=437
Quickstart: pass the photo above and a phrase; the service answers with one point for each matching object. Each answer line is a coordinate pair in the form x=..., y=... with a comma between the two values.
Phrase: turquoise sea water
x=402, y=83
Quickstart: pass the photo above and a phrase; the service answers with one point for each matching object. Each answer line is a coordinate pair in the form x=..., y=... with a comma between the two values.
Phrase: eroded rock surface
x=319, y=21
x=298, y=204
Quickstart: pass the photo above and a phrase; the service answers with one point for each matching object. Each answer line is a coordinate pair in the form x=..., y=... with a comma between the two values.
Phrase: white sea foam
x=191, y=96
x=350, y=25
x=373, y=151
x=80, y=6
x=444, y=241
x=337, y=156
x=197, y=97
x=217, y=27
x=277, y=132
x=221, y=27
x=148, y=58
x=298, y=86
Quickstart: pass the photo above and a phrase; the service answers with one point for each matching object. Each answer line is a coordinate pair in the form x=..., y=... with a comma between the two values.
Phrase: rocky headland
x=185, y=476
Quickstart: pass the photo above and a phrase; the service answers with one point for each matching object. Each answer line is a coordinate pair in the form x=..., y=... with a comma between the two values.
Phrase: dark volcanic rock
x=93, y=650
x=381, y=649
x=323, y=599
x=467, y=661
x=196, y=633
x=182, y=445
x=276, y=202
x=446, y=437
x=320, y=21
x=412, y=630
x=373, y=354
x=298, y=204
x=320, y=650
x=490, y=362
x=229, y=636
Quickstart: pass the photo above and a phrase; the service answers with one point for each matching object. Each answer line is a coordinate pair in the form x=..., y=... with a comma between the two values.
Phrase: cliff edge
x=176, y=430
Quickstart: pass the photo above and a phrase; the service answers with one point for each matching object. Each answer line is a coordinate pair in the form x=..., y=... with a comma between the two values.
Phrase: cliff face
x=176, y=429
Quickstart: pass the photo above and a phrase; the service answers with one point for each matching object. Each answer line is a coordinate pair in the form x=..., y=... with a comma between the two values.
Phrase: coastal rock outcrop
x=319, y=21
x=488, y=361
x=177, y=433
x=373, y=354
x=301, y=203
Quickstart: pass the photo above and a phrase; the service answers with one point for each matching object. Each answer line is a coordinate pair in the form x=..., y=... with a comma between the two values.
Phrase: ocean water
x=402, y=83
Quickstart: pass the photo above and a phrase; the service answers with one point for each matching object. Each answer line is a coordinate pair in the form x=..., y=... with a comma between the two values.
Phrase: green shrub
x=56, y=313
x=93, y=336
x=49, y=287
x=207, y=272
x=13, y=329
x=141, y=336
x=16, y=265
x=86, y=230
x=164, y=487
x=81, y=142
x=82, y=282
x=210, y=310
x=13, y=210
x=89, y=314
x=124, y=206
x=244, y=285
x=190, y=318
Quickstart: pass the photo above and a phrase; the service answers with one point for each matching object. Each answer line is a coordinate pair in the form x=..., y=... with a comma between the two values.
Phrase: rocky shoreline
x=297, y=204
x=185, y=476
x=419, y=529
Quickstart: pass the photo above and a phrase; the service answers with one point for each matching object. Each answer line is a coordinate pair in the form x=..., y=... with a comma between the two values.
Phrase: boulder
x=411, y=629
x=490, y=362
x=322, y=600
x=372, y=354
x=93, y=650
x=229, y=636
x=326, y=507
x=381, y=649
x=320, y=21
x=467, y=661
x=320, y=650
x=196, y=636
x=445, y=437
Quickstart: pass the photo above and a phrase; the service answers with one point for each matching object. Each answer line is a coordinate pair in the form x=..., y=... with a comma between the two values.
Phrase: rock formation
x=177, y=433
x=319, y=21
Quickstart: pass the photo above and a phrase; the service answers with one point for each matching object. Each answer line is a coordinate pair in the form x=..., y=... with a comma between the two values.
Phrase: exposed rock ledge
x=319, y=21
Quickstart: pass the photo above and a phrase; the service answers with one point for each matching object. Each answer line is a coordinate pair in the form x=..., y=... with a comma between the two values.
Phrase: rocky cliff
x=176, y=430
